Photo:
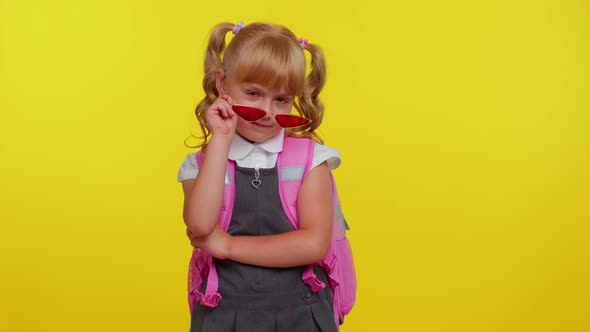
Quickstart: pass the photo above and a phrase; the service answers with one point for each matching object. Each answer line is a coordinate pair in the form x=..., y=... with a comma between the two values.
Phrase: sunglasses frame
x=243, y=108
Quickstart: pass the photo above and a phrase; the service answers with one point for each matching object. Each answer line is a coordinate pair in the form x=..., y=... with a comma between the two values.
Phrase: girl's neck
x=245, y=139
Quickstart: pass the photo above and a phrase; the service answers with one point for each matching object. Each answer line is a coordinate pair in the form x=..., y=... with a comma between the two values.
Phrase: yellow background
x=463, y=128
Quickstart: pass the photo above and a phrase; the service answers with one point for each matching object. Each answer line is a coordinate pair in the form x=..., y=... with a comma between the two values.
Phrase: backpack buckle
x=211, y=300
x=329, y=262
x=312, y=280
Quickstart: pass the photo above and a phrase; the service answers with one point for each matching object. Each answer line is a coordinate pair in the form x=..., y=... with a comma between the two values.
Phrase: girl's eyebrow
x=283, y=94
x=254, y=86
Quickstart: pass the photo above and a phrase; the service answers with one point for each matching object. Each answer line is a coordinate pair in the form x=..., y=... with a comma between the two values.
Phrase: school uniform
x=258, y=298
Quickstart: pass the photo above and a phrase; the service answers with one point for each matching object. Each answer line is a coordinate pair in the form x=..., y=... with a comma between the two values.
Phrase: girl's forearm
x=204, y=203
x=296, y=248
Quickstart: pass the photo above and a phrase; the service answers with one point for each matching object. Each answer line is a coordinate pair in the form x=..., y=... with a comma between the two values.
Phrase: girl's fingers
x=231, y=103
x=225, y=108
x=228, y=111
x=227, y=99
x=223, y=111
x=217, y=108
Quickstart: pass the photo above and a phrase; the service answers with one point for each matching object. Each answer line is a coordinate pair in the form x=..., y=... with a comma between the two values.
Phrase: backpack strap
x=293, y=163
x=212, y=297
x=197, y=270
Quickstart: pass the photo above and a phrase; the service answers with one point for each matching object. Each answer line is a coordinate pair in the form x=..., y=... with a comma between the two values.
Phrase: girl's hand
x=220, y=117
x=217, y=243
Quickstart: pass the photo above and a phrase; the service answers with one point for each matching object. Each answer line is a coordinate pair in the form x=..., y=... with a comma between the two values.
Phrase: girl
x=261, y=258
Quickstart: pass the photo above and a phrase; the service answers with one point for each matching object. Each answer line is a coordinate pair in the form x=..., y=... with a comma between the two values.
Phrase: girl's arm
x=307, y=245
x=204, y=195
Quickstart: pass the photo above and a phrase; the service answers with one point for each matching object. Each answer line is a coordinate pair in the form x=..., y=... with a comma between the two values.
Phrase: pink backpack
x=293, y=163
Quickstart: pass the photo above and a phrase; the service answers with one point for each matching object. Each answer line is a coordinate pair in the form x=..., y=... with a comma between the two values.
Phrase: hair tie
x=303, y=43
x=238, y=27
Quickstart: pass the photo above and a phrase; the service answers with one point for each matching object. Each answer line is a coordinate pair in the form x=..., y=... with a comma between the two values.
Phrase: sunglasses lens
x=249, y=113
x=284, y=120
x=289, y=120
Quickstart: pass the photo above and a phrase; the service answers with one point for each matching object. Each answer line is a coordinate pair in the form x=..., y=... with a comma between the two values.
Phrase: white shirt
x=263, y=154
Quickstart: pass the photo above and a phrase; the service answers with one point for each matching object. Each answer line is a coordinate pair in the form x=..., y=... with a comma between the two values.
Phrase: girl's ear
x=220, y=81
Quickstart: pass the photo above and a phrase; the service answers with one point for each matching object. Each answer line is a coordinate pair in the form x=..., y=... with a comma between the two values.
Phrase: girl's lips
x=260, y=125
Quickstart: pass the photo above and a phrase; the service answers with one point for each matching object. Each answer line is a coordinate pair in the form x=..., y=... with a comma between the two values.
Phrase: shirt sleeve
x=189, y=168
x=325, y=153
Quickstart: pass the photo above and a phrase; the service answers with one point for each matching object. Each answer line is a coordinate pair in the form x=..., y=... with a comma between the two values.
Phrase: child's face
x=271, y=100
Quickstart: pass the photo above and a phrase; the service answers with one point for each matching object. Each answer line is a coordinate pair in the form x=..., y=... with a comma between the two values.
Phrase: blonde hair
x=271, y=55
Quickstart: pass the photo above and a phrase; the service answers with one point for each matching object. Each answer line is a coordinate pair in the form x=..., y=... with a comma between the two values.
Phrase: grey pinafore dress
x=257, y=298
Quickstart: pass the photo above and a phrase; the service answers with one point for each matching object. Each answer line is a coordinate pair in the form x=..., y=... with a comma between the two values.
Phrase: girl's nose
x=267, y=116
x=267, y=106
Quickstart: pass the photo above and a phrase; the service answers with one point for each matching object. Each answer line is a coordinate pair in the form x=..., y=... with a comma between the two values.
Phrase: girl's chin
x=253, y=138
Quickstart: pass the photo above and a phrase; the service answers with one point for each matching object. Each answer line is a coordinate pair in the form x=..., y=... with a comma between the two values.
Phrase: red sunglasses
x=284, y=120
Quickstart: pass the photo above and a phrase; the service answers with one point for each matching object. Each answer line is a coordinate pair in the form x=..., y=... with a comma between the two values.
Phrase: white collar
x=240, y=148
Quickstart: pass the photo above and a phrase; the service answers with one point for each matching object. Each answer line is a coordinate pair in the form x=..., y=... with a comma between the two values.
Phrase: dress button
x=308, y=296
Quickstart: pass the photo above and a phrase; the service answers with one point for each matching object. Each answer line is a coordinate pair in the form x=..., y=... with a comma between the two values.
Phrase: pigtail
x=309, y=104
x=213, y=62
